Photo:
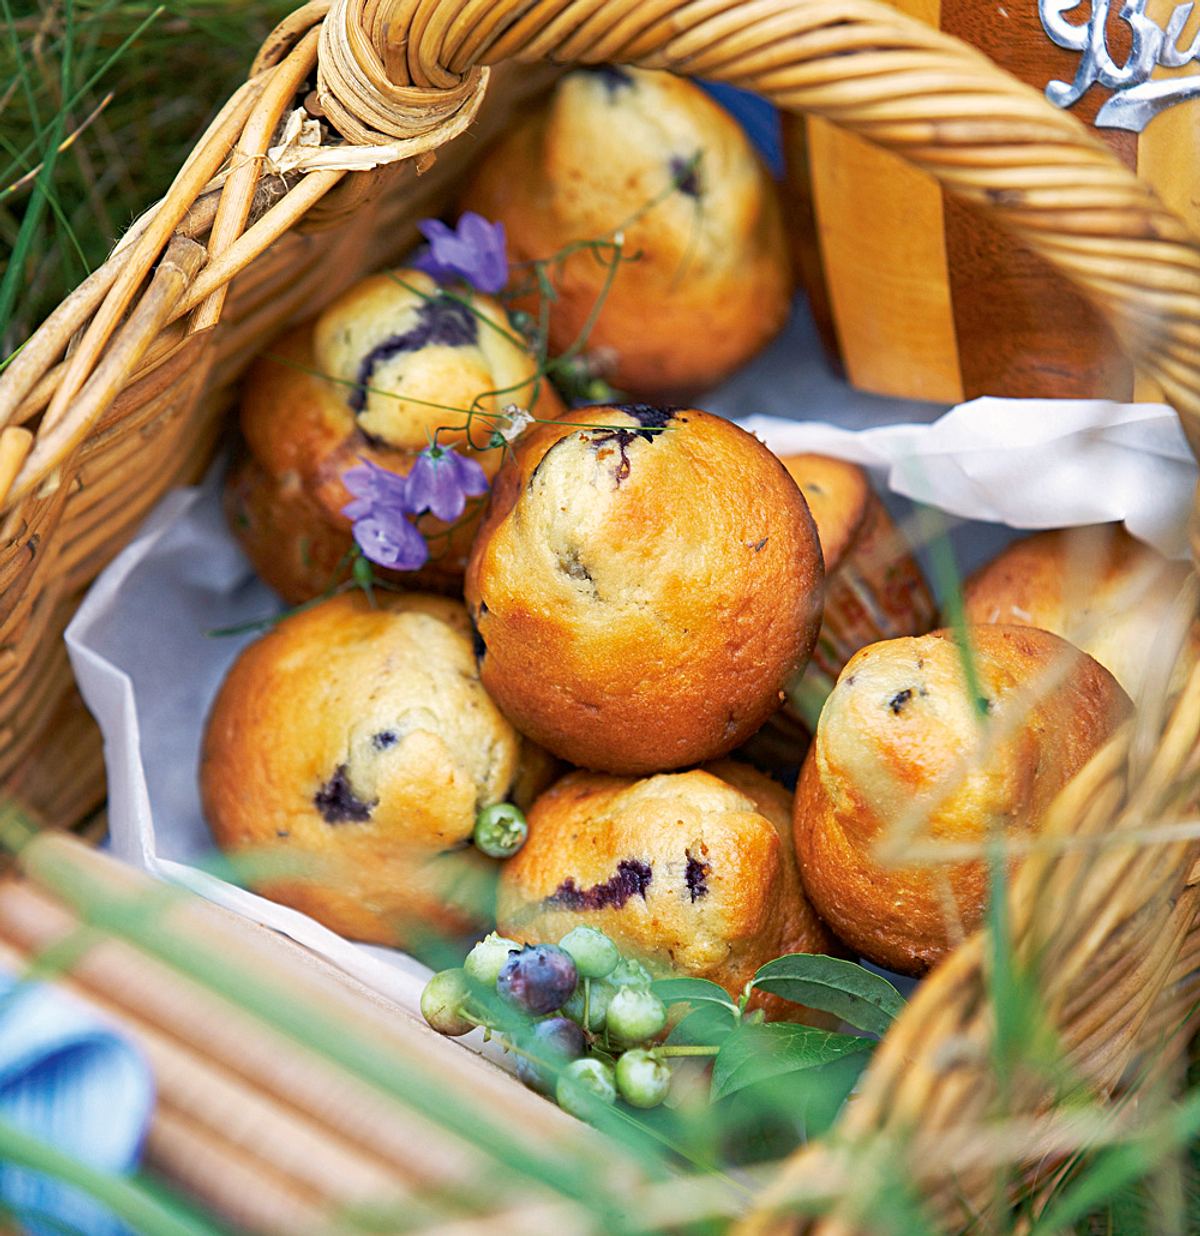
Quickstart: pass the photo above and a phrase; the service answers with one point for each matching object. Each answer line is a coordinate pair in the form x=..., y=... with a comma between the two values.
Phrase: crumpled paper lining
x=149, y=673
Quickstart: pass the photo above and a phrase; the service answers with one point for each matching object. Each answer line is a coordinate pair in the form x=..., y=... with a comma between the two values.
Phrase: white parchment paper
x=149, y=672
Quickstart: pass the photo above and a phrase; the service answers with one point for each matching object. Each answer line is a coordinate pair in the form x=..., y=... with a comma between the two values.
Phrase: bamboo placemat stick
x=313, y=1157
x=143, y=988
x=235, y=1187
x=82, y=878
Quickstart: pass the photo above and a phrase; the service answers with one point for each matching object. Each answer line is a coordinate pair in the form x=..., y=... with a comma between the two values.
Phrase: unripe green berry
x=442, y=1002
x=583, y=1085
x=599, y=998
x=630, y=973
x=594, y=953
x=500, y=830
x=635, y=1015
x=484, y=961
x=642, y=1078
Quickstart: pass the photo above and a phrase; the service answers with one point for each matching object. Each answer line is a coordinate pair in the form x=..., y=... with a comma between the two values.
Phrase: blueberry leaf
x=690, y=990
x=833, y=985
x=753, y=1053
x=708, y=1025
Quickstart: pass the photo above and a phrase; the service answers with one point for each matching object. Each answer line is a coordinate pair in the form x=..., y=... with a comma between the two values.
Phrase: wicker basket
x=121, y=393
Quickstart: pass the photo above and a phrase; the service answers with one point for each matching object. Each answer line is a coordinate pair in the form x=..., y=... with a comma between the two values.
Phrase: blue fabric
x=759, y=118
x=67, y=1080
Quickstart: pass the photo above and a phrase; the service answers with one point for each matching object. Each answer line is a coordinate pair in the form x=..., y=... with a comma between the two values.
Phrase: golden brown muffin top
x=657, y=129
x=630, y=578
x=1098, y=587
x=647, y=160
x=348, y=714
x=909, y=753
x=426, y=357
x=685, y=870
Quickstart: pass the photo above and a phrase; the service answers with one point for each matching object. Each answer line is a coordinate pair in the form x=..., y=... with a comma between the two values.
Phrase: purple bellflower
x=441, y=481
x=475, y=252
x=380, y=512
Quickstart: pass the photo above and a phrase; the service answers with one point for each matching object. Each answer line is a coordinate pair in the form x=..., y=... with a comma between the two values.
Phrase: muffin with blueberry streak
x=387, y=369
x=349, y=751
x=704, y=281
x=693, y=872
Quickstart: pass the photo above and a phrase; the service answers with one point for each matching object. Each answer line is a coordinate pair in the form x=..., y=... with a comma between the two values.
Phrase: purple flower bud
x=441, y=481
x=475, y=252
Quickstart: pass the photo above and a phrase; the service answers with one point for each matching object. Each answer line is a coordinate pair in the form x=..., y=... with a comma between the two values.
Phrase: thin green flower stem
x=365, y=386
x=587, y=1004
x=446, y=294
x=686, y=1050
x=589, y=324
x=140, y=918
x=127, y=1200
x=606, y=237
x=262, y=624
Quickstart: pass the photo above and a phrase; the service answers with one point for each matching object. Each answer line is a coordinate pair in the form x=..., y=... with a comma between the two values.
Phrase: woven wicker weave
x=246, y=241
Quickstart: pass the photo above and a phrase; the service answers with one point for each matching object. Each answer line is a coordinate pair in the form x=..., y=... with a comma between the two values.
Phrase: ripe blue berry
x=594, y=953
x=584, y=1084
x=442, y=1002
x=550, y=1045
x=630, y=973
x=500, y=830
x=538, y=979
x=599, y=998
x=642, y=1078
x=487, y=958
x=635, y=1015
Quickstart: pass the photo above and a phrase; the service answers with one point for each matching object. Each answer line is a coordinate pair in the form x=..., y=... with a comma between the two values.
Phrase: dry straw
x=119, y=396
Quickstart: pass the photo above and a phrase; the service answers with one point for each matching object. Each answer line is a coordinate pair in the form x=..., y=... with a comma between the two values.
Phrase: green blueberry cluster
x=581, y=1018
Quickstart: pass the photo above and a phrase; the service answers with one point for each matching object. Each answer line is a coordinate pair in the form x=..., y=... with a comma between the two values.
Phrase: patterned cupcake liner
x=876, y=592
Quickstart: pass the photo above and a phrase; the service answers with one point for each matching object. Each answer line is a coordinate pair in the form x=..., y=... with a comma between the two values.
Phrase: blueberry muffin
x=349, y=751
x=643, y=589
x=692, y=872
x=906, y=756
x=705, y=279
x=874, y=589
x=388, y=364
x=1107, y=593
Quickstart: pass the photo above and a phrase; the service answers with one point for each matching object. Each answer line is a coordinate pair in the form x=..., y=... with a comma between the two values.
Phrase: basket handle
x=400, y=77
x=921, y=94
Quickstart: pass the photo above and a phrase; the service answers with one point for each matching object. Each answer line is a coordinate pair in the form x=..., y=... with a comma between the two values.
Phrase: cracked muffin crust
x=691, y=872
x=904, y=755
x=642, y=589
x=351, y=747
x=654, y=156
